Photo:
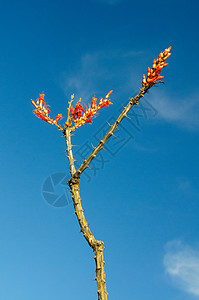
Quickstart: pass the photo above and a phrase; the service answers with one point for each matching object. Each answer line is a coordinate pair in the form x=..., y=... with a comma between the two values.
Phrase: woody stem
x=132, y=101
x=97, y=246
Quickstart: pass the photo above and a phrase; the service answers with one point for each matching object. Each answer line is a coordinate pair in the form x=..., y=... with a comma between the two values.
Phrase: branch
x=153, y=77
x=132, y=101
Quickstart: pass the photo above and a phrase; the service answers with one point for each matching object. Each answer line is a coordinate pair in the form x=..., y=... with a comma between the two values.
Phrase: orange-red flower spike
x=42, y=112
x=153, y=76
x=80, y=116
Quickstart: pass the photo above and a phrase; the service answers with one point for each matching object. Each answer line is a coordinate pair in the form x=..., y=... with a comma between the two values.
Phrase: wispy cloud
x=183, y=112
x=121, y=70
x=83, y=80
x=102, y=71
x=181, y=263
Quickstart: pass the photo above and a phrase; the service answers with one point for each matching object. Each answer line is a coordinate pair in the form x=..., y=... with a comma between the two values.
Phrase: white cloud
x=83, y=80
x=103, y=71
x=183, y=112
x=181, y=263
x=119, y=69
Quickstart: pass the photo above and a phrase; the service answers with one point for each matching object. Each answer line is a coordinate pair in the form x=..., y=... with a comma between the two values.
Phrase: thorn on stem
x=108, y=123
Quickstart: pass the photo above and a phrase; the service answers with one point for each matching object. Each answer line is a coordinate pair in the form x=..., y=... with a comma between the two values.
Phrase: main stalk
x=97, y=246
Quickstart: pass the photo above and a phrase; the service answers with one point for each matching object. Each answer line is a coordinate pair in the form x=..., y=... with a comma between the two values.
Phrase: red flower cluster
x=80, y=116
x=153, y=74
x=42, y=111
x=78, y=111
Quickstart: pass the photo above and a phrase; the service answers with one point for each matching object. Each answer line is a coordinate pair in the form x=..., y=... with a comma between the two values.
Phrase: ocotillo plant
x=78, y=116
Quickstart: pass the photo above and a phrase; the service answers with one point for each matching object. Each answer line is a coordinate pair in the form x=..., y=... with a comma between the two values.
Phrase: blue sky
x=141, y=197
